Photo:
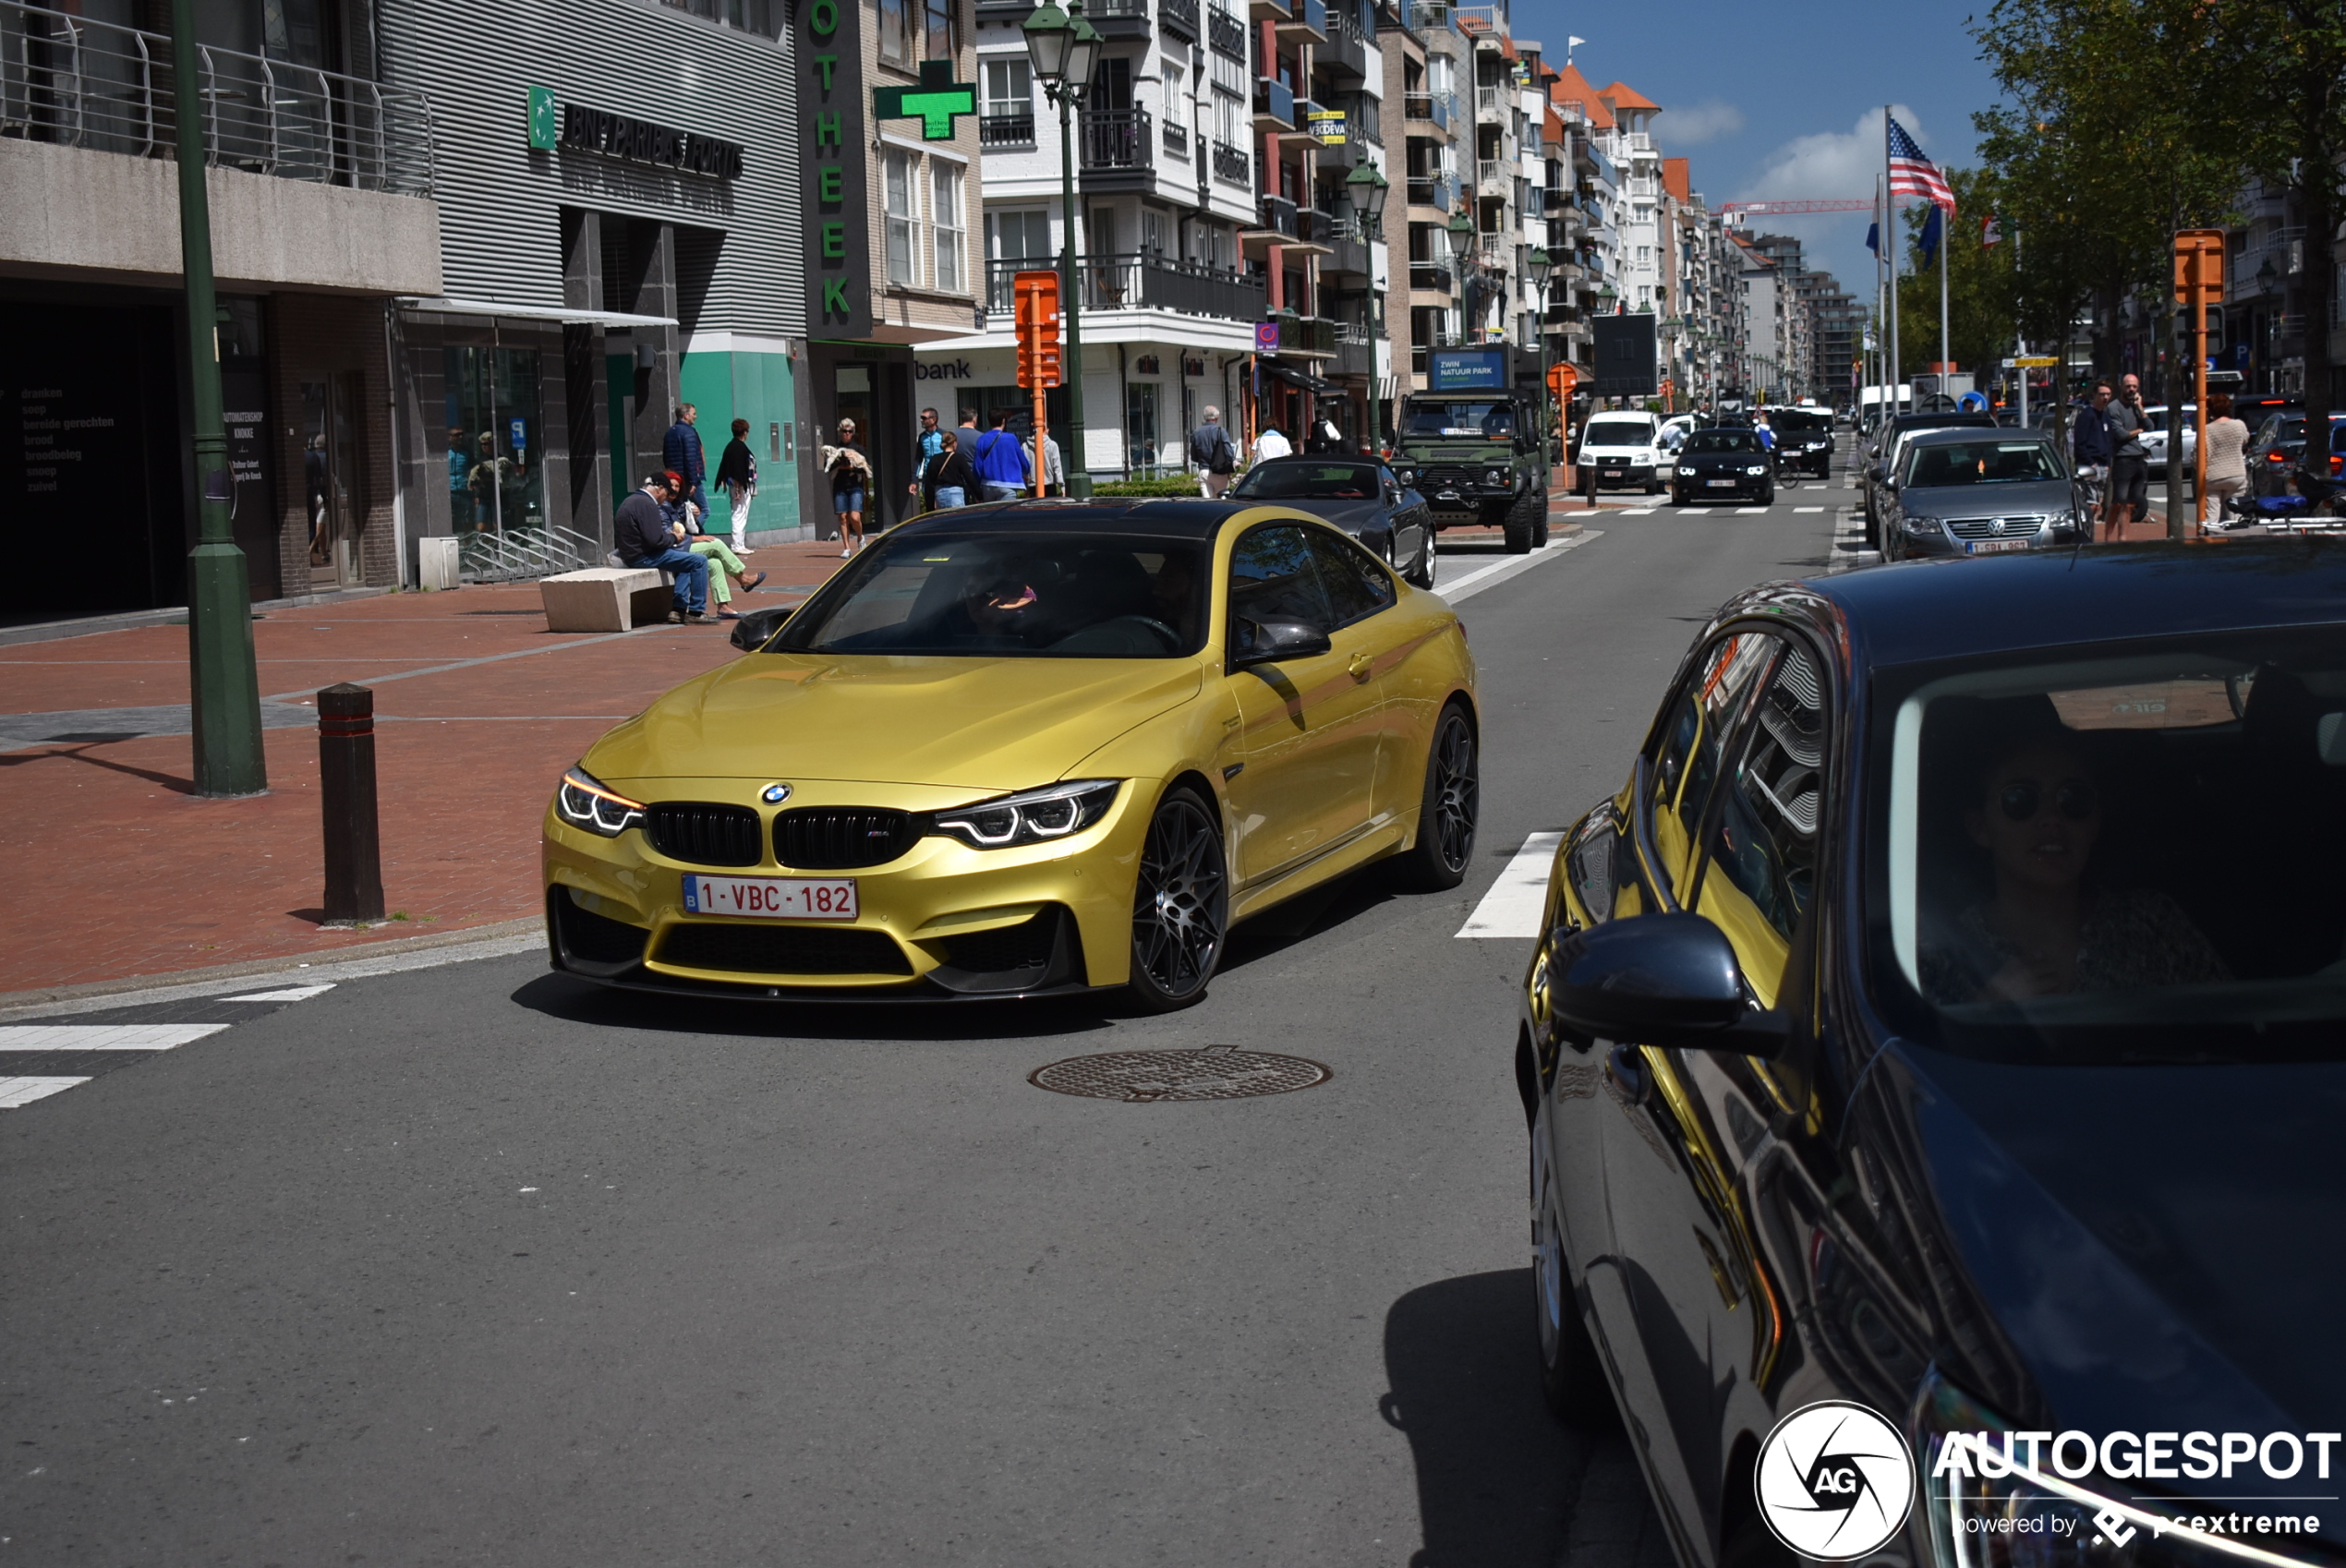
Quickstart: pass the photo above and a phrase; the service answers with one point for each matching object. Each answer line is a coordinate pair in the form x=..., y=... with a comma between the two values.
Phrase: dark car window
x=1063, y=594
x=1763, y=840
x=1801, y=421
x=1331, y=481
x=1480, y=421
x=1275, y=576
x=1701, y=718
x=1980, y=463
x=2118, y=853
x=1723, y=440
x=1357, y=587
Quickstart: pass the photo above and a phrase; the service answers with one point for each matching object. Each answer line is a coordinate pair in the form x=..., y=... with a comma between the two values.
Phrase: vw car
x=1725, y=462
x=1979, y=492
x=1943, y=1017
x=1882, y=459
x=1363, y=498
x=1025, y=748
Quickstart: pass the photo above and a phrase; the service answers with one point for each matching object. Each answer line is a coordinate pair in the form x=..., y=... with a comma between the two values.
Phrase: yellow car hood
x=994, y=725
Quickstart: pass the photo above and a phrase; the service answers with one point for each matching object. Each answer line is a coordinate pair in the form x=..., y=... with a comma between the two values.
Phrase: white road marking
x=103, y=1036
x=1691, y=511
x=1751, y=512
x=1637, y=512
x=1807, y=509
x=15, y=1091
x=293, y=993
x=1482, y=577
x=1517, y=901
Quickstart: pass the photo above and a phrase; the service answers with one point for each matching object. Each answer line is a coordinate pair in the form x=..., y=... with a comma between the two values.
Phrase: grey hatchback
x=1979, y=492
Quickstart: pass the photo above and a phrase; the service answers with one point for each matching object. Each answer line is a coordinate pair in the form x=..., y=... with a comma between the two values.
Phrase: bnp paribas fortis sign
x=836, y=161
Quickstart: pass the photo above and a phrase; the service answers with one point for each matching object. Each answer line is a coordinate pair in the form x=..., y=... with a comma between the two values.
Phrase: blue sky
x=1785, y=99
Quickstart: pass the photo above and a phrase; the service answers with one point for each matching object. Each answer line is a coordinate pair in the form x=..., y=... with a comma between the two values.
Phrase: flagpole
x=1946, y=243
x=1881, y=297
x=1890, y=256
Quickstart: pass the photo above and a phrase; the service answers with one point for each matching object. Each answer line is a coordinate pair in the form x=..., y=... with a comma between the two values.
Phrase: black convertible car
x=1934, y=1061
x=1723, y=463
x=1361, y=498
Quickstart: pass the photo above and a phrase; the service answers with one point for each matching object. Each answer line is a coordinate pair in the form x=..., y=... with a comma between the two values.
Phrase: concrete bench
x=606, y=598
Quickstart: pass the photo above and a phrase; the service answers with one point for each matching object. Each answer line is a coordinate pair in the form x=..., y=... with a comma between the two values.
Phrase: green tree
x=1979, y=284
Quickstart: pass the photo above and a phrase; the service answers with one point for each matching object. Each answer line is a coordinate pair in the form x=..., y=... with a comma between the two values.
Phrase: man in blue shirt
x=1001, y=462
x=2089, y=440
x=682, y=452
x=925, y=452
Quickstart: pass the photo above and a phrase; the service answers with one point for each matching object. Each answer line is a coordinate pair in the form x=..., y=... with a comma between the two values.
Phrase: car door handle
x=1361, y=667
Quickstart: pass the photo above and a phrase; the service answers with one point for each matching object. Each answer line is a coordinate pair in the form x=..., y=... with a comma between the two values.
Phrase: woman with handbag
x=737, y=480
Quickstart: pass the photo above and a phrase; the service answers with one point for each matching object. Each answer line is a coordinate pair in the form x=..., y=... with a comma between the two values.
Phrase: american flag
x=1911, y=174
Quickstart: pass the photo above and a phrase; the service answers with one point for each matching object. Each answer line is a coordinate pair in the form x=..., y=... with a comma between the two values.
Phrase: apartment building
x=1427, y=52
x=322, y=182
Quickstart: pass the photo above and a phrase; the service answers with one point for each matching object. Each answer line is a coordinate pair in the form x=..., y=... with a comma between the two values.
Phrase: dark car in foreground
x=1727, y=463
x=1363, y=498
x=1944, y=1028
x=1979, y=492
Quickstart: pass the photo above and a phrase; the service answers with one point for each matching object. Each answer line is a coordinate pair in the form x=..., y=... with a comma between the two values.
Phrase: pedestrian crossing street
x=42, y=1058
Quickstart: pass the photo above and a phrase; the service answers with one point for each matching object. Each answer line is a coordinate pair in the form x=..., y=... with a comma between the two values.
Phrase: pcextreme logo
x=1835, y=1480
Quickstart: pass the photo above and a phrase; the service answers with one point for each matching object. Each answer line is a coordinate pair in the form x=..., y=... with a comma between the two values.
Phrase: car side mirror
x=1270, y=642
x=754, y=630
x=1661, y=979
x=1878, y=473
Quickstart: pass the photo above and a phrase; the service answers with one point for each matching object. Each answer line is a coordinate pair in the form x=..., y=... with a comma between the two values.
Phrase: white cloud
x=1706, y=121
x=1830, y=164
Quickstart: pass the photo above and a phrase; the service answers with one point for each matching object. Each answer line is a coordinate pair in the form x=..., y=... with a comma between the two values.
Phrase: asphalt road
x=475, y=1264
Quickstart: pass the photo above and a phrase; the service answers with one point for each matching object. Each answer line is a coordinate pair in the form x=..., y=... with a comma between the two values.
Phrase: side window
x=1701, y=718
x=1765, y=842
x=1357, y=585
x=1274, y=577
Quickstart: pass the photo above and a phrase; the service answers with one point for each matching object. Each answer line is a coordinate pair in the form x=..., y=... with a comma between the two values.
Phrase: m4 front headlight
x=1031, y=817
x=584, y=802
x=1991, y=1494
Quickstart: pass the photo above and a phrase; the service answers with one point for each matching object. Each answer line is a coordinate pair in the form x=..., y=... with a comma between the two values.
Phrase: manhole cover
x=1216, y=1072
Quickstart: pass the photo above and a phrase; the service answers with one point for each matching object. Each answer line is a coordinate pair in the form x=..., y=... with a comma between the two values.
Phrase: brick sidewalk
x=122, y=872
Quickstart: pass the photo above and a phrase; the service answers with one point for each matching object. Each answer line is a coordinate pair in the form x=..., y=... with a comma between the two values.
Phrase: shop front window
x=495, y=440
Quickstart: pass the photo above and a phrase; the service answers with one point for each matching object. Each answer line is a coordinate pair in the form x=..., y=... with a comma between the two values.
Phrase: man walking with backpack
x=1001, y=461
x=1215, y=452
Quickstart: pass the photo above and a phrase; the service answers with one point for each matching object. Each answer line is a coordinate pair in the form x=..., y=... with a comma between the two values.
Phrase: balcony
x=1433, y=275
x=1232, y=165
x=1429, y=16
x=1119, y=19
x=1427, y=108
x=1556, y=198
x=1476, y=20
x=1225, y=34
x=1437, y=191
x=1355, y=350
x=1116, y=141
x=1307, y=22
x=1492, y=176
x=1142, y=282
x=1304, y=336
x=1276, y=215
x=72, y=81
x=1493, y=102
x=1315, y=225
x=1345, y=53
x=1348, y=256
x=1179, y=16
x=1177, y=141
x=1006, y=130
x=1269, y=10
x=1273, y=105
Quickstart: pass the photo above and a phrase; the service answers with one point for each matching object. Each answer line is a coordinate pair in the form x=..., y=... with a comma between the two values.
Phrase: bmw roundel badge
x=774, y=794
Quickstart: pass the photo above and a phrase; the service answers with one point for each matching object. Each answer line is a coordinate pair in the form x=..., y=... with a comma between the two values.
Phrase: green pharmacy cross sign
x=934, y=103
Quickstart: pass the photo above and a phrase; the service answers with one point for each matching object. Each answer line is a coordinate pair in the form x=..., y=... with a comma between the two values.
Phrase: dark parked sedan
x=1725, y=462
x=1979, y=492
x=1362, y=499
x=1934, y=1065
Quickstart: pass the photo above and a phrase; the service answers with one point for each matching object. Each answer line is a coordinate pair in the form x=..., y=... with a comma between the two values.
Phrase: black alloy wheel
x=1180, y=905
x=1450, y=808
x=1768, y=494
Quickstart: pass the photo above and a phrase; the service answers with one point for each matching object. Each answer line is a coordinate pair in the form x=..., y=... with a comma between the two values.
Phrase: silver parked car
x=1979, y=492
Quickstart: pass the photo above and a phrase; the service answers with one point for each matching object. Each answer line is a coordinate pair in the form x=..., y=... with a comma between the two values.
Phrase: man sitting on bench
x=647, y=540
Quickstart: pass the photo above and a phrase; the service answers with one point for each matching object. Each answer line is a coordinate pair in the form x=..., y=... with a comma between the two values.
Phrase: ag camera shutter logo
x=1834, y=1481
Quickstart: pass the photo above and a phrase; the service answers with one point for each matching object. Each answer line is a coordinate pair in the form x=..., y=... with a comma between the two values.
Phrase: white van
x=1619, y=449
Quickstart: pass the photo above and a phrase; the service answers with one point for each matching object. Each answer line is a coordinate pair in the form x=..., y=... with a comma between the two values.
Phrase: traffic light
x=1035, y=299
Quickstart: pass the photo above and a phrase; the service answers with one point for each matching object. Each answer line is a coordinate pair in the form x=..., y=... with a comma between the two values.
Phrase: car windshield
x=1801, y=421
x=2128, y=855
x=998, y=595
x=1979, y=463
x=1332, y=481
x=1482, y=421
x=1618, y=432
x=1723, y=440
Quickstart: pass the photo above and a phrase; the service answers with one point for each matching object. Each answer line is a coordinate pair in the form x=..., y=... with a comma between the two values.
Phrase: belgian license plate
x=1613, y=473
x=1721, y=484
x=772, y=897
x=1994, y=547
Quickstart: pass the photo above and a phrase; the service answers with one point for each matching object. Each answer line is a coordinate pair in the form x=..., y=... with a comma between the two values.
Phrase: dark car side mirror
x=1268, y=642
x=1877, y=473
x=1661, y=979
x=754, y=630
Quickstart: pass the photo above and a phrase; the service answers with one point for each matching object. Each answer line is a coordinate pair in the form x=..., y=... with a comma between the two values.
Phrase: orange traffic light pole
x=1035, y=299
x=2199, y=281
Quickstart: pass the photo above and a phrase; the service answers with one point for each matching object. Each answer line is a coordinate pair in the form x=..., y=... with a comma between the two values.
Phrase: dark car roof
x=1166, y=516
x=1945, y=417
x=1953, y=433
x=2046, y=598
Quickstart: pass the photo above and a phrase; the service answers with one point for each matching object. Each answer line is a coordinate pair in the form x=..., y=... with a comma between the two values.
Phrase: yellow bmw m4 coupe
x=1033, y=748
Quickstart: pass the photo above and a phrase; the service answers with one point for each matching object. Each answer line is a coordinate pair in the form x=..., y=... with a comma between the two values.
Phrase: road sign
x=1266, y=337
x=2035, y=361
x=1562, y=379
x=1036, y=300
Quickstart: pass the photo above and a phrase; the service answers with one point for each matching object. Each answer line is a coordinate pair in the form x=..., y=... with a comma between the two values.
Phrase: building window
x=1007, y=116
x=900, y=30
x=896, y=187
x=1020, y=234
x=940, y=30
x=750, y=15
x=1139, y=428
x=951, y=227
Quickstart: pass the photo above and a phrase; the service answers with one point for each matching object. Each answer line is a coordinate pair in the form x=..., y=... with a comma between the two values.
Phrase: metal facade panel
x=499, y=198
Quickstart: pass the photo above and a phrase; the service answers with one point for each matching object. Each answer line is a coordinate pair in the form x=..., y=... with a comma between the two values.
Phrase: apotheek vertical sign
x=831, y=140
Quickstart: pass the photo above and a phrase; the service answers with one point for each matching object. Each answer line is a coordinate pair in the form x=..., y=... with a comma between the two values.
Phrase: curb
x=512, y=935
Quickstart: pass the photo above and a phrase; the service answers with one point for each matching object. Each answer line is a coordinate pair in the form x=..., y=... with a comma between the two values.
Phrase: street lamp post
x=1538, y=267
x=224, y=680
x=1062, y=47
x=1461, y=233
x=1368, y=188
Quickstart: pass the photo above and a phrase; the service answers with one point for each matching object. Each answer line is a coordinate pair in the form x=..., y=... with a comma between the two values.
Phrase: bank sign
x=580, y=128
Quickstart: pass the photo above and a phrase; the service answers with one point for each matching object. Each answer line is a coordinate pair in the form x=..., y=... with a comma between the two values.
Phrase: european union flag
x=1873, y=237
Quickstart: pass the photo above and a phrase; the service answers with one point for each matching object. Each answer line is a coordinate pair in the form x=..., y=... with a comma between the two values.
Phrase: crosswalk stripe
x=1639, y=511
x=15, y=1091
x=1516, y=901
x=292, y=994
x=1807, y=509
x=103, y=1036
x=1689, y=512
x=1751, y=512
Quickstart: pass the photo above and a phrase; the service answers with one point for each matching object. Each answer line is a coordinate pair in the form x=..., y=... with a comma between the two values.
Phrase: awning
x=1295, y=376
x=530, y=312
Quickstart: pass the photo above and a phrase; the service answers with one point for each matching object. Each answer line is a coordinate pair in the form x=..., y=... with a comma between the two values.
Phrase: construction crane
x=1779, y=208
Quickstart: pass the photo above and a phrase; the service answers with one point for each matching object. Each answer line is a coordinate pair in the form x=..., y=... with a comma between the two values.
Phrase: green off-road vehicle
x=1475, y=456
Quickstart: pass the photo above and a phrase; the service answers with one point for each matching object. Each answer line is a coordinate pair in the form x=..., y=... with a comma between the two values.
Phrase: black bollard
x=346, y=784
